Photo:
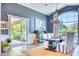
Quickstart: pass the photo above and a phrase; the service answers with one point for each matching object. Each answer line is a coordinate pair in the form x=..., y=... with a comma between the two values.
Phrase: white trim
x=17, y=16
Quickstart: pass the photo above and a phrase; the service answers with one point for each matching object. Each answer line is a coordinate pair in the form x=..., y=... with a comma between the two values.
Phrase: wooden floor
x=43, y=52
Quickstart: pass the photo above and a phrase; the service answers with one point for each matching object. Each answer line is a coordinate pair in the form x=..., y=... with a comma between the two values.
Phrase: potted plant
x=5, y=45
x=36, y=40
x=8, y=40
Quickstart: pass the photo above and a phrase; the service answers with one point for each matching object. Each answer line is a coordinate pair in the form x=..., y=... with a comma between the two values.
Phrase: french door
x=18, y=28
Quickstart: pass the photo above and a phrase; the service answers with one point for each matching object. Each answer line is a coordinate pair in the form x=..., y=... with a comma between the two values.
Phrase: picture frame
x=4, y=25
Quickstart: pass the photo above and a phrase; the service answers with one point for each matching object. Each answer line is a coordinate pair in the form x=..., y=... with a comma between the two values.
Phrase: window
x=70, y=23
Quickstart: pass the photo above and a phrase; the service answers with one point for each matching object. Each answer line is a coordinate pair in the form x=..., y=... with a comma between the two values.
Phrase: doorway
x=18, y=30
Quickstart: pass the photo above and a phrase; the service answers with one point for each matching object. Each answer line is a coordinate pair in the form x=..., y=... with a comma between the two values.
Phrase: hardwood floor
x=43, y=52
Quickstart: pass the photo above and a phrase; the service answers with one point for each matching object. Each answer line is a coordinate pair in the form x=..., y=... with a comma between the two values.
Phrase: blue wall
x=49, y=25
x=19, y=10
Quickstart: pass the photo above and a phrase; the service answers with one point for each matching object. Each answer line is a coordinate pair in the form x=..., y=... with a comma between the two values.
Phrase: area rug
x=43, y=52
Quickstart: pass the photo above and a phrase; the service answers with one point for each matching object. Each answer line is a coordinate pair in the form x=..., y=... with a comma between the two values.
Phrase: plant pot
x=5, y=50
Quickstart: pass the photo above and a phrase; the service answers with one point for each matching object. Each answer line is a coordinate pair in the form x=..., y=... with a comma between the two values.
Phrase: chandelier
x=55, y=17
x=55, y=22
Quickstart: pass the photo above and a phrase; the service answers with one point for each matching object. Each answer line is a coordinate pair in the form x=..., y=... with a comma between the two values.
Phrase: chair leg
x=59, y=48
x=63, y=48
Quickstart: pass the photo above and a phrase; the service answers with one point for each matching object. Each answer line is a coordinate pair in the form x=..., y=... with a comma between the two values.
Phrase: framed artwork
x=4, y=31
x=4, y=25
x=40, y=24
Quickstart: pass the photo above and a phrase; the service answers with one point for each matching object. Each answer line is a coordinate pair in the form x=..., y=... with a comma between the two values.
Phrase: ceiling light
x=46, y=4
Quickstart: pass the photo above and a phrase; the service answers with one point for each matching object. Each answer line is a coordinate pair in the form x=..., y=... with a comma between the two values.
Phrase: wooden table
x=52, y=43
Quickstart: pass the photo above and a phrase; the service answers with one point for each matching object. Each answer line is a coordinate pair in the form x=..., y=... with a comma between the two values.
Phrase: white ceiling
x=47, y=10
